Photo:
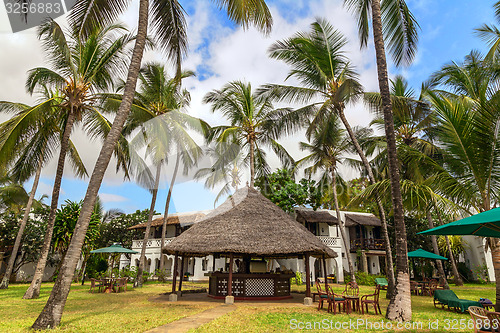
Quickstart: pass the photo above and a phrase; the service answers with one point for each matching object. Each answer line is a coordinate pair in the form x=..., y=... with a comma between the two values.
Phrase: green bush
x=162, y=275
x=362, y=278
x=297, y=279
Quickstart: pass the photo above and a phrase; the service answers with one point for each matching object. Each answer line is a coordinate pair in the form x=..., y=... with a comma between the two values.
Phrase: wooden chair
x=415, y=288
x=121, y=283
x=494, y=318
x=479, y=319
x=334, y=300
x=433, y=285
x=365, y=301
x=352, y=290
x=96, y=284
x=322, y=295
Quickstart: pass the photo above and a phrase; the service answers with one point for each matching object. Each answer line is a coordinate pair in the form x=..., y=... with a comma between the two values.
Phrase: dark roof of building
x=353, y=219
x=247, y=223
x=316, y=216
x=182, y=219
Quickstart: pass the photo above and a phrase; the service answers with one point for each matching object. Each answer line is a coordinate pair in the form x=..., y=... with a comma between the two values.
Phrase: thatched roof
x=316, y=216
x=248, y=223
x=183, y=219
x=353, y=219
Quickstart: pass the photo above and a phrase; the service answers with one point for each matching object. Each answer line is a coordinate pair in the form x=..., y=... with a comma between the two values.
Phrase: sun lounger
x=382, y=282
x=450, y=299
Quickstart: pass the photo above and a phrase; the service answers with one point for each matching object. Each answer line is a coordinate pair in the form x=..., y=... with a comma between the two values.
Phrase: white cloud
x=221, y=53
x=108, y=197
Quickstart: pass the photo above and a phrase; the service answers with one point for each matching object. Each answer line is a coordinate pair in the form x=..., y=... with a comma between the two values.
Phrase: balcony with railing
x=367, y=244
x=152, y=243
x=330, y=241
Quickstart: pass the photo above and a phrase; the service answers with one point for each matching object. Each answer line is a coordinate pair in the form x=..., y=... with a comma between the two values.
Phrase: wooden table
x=354, y=300
x=109, y=285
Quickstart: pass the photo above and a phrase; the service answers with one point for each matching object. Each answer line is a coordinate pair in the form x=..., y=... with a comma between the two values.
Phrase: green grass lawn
x=86, y=312
x=133, y=312
x=248, y=318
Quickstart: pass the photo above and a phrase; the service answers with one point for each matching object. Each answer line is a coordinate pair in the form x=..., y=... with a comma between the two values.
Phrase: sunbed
x=450, y=299
x=382, y=282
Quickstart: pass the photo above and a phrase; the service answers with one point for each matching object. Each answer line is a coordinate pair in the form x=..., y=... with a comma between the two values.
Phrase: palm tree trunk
x=342, y=228
x=142, y=258
x=439, y=264
x=51, y=314
x=34, y=288
x=167, y=205
x=399, y=308
x=385, y=233
x=458, y=280
x=252, y=163
x=17, y=243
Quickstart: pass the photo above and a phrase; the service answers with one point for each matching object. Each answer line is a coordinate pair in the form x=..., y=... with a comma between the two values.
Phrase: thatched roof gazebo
x=248, y=224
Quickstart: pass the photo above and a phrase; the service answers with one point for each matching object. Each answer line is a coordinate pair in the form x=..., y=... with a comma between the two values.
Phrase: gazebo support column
x=230, y=297
x=173, y=296
x=213, y=263
x=181, y=276
x=324, y=271
x=307, y=299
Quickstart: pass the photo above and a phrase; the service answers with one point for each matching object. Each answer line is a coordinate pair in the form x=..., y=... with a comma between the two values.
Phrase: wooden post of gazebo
x=324, y=271
x=230, y=297
x=181, y=276
x=173, y=295
x=307, y=299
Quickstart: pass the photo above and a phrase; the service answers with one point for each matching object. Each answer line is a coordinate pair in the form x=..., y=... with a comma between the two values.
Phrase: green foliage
x=116, y=230
x=481, y=272
x=464, y=271
x=96, y=266
x=32, y=239
x=162, y=275
x=362, y=278
x=281, y=188
x=297, y=279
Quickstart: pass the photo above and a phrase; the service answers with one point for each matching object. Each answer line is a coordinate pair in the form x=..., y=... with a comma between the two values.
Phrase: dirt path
x=191, y=322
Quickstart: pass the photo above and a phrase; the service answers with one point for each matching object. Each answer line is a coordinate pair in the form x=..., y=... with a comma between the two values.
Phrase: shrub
x=162, y=275
x=363, y=279
x=297, y=279
x=481, y=272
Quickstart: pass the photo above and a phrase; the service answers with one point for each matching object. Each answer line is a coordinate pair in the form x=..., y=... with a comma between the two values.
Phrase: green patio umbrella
x=486, y=224
x=425, y=254
x=115, y=248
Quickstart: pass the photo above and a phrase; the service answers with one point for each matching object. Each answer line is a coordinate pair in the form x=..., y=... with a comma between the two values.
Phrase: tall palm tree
x=328, y=146
x=228, y=161
x=467, y=131
x=329, y=81
x=158, y=110
x=392, y=24
x=35, y=133
x=491, y=35
x=414, y=122
x=169, y=24
x=80, y=68
x=254, y=123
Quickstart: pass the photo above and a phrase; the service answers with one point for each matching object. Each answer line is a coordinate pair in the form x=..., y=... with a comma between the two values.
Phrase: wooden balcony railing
x=367, y=244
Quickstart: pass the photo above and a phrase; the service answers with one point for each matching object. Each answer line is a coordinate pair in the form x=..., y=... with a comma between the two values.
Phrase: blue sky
x=221, y=52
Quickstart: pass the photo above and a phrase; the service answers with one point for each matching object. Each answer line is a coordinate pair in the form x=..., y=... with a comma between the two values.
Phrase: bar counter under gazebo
x=248, y=229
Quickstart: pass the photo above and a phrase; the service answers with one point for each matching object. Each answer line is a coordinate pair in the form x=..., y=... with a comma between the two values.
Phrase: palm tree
x=397, y=29
x=158, y=112
x=491, y=35
x=169, y=24
x=80, y=68
x=467, y=132
x=328, y=144
x=329, y=81
x=34, y=132
x=226, y=168
x=254, y=123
